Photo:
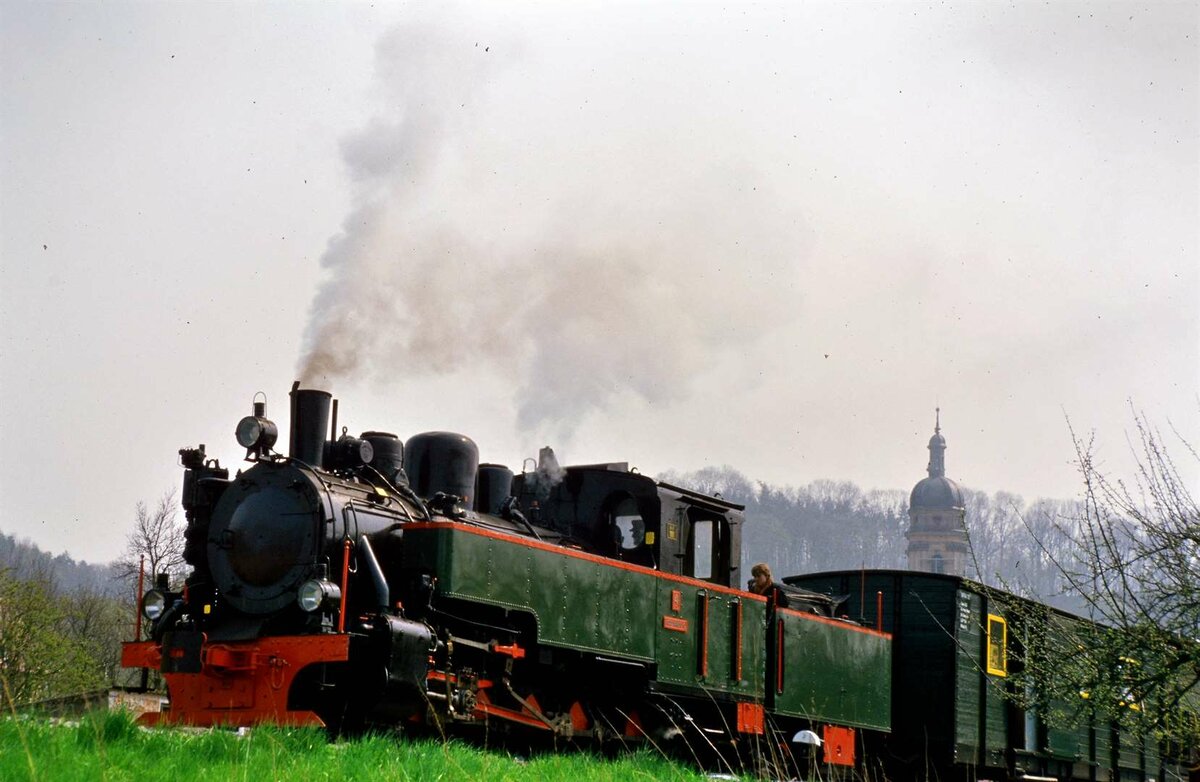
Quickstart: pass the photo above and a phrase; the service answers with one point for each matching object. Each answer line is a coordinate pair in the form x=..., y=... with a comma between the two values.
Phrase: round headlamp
x=154, y=603
x=256, y=432
x=315, y=592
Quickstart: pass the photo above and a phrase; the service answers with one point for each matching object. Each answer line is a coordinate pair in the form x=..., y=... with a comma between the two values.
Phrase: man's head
x=761, y=575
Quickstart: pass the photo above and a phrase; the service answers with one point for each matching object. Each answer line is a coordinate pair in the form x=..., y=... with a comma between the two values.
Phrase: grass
x=109, y=747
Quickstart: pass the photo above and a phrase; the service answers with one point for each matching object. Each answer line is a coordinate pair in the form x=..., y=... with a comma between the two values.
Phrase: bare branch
x=1134, y=557
x=158, y=536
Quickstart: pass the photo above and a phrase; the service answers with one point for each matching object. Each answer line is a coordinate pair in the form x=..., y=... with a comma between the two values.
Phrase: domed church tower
x=937, y=534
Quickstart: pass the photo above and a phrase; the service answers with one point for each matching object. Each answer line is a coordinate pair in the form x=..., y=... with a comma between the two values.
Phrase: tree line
x=62, y=621
x=836, y=525
x=61, y=624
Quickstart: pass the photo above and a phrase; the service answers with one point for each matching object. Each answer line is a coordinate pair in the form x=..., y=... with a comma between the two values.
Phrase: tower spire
x=937, y=448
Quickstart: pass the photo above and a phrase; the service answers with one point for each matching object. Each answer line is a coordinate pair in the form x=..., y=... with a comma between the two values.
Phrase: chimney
x=310, y=419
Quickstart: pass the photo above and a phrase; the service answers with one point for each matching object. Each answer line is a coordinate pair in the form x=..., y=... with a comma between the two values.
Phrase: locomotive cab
x=702, y=535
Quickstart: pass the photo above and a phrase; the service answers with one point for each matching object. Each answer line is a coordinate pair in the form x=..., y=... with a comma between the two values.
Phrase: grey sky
x=765, y=236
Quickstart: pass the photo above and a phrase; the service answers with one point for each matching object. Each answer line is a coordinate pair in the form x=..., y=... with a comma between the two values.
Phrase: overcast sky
x=680, y=235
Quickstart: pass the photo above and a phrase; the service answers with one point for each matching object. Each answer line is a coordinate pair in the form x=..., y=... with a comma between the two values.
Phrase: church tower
x=937, y=533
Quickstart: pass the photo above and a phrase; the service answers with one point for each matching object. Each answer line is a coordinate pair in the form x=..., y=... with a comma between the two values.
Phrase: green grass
x=108, y=746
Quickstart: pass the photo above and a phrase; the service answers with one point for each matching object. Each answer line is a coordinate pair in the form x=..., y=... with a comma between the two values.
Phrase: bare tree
x=158, y=536
x=1133, y=558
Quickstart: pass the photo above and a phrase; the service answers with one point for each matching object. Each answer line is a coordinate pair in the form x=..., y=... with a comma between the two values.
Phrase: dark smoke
x=581, y=261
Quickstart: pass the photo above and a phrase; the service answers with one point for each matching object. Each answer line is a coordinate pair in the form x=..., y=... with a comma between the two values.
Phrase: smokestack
x=310, y=417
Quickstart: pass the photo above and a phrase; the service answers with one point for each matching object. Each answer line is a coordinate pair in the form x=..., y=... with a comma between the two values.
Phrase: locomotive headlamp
x=256, y=432
x=153, y=604
x=249, y=430
x=315, y=592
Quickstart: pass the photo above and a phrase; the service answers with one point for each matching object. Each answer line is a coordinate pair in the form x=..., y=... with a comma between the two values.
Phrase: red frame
x=240, y=683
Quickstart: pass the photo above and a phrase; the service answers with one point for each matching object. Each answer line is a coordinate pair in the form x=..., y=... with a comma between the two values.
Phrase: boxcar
x=955, y=643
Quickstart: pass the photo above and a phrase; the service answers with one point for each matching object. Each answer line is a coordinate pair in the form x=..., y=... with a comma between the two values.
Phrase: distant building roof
x=937, y=491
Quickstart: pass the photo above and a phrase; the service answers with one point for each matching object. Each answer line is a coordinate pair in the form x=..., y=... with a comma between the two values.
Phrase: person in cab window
x=761, y=583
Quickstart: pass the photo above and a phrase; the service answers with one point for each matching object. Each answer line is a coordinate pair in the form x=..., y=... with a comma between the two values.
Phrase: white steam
x=510, y=216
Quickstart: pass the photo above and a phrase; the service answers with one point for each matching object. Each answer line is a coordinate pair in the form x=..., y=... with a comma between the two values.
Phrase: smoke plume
x=537, y=220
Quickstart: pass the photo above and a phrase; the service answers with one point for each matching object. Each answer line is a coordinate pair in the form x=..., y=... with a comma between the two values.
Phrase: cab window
x=706, y=549
x=628, y=527
x=702, y=548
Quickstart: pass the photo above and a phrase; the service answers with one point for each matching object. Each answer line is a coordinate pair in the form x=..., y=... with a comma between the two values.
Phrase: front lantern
x=154, y=603
x=256, y=433
x=315, y=593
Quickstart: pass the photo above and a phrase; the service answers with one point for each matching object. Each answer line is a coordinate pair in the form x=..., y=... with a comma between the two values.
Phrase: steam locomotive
x=361, y=581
